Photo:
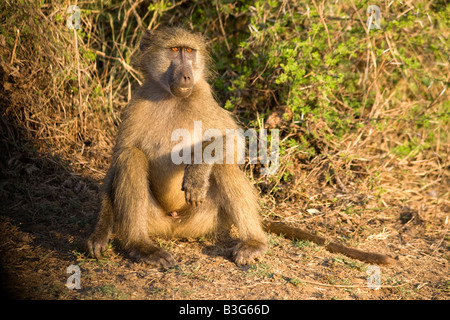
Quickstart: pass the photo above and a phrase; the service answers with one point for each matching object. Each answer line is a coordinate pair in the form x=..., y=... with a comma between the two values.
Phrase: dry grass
x=381, y=184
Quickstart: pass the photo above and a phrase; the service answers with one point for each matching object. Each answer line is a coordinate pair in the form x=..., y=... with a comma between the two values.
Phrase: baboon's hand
x=97, y=244
x=194, y=193
x=196, y=183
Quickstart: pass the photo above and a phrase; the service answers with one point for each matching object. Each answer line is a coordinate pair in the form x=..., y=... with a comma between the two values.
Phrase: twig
x=155, y=13
x=221, y=27
x=347, y=286
x=127, y=67
x=360, y=19
x=442, y=239
x=79, y=79
x=323, y=22
x=15, y=46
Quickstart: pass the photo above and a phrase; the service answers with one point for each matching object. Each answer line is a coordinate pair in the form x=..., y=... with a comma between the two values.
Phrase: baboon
x=146, y=194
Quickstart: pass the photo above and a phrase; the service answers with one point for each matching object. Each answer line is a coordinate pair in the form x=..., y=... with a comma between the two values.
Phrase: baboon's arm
x=196, y=179
x=98, y=241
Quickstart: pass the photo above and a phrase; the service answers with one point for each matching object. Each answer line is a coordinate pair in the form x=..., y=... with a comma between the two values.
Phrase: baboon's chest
x=169, y=146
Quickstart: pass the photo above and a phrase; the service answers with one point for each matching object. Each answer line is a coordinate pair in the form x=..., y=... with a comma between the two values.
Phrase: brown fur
x=298, y=234
x=143, y=186
x=145, y=194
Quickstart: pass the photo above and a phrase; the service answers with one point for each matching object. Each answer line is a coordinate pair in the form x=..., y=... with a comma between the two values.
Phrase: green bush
x=336, y=90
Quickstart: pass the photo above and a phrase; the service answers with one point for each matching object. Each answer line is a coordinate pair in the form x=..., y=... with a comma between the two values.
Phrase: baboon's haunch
x=145, y=194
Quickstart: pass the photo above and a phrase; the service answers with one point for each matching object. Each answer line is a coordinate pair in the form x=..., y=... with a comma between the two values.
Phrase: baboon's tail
x=281, y=228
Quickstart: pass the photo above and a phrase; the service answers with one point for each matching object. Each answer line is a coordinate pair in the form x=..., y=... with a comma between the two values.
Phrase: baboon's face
x=175, y=58
x=180, y=74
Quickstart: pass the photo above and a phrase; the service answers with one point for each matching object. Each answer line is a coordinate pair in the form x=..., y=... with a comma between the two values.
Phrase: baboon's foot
x=246, y=252
x=152, y=255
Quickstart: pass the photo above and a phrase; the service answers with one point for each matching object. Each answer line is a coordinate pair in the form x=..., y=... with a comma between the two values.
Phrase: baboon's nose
x=186, y=79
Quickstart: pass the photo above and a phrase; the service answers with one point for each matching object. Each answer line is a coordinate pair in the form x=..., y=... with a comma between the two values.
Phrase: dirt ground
x=381, y=187
x=48, y=211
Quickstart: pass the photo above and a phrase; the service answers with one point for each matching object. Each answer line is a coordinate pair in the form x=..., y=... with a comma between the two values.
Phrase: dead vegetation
x=373, y=172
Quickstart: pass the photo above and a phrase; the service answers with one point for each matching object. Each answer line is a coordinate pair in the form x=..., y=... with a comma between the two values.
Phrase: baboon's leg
x=198, y=221
x=239, y=203
x=98, y=241
x=136, y=210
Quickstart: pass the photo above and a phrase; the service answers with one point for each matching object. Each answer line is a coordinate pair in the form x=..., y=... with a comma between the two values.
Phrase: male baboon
x=145, y=193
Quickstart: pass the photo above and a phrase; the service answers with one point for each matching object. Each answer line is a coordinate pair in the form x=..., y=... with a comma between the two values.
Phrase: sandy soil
x=48, y=211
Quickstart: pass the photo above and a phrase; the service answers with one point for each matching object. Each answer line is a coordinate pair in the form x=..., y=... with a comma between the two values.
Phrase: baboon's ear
x=145, y=40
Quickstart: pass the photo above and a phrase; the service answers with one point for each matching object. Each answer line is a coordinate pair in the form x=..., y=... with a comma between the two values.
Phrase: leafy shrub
x=340, y=94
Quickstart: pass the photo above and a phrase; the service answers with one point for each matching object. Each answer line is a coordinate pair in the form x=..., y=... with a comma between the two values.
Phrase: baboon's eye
x=188, y=49
x=174, y=49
